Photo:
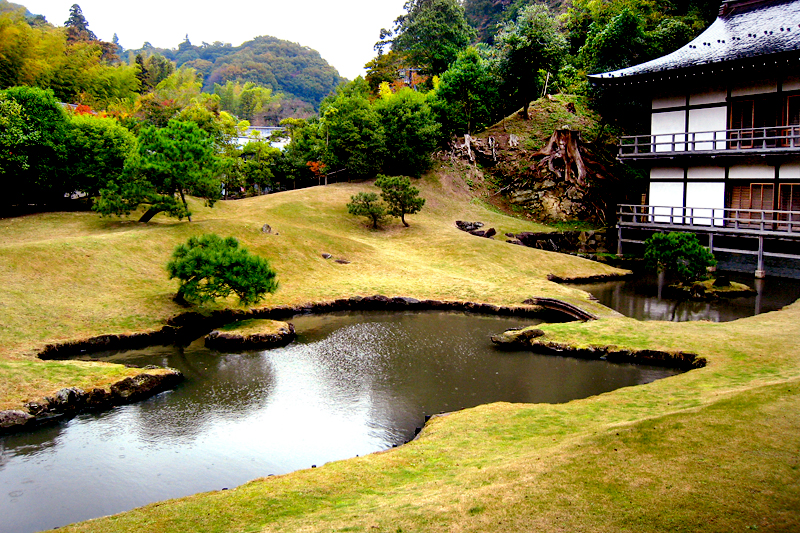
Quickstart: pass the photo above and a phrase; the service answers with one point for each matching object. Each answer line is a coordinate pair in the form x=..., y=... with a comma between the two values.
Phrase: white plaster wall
x=707, y=201
x=664, y=101
x=666, y=194
x=671, y=173
x=711, y=122
x=668, y=122
x=706, y=173
x=716, y=95
x=752, y=172
x=745, y=87
x=791, y=83
x=790, y=171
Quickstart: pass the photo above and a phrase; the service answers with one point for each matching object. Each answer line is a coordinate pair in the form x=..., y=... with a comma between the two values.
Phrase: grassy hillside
x=66, y=276
x=714, y=449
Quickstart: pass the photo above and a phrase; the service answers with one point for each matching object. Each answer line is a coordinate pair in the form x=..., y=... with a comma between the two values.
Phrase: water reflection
x=351, y=385
x=643, y=298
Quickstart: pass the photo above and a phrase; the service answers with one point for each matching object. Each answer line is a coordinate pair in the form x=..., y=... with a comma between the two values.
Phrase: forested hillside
x=82, y=69
x=286, y=67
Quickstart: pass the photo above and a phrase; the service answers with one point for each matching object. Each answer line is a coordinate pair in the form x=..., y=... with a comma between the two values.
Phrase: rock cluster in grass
x=70, y=401
x=588, y=242
x=473, y=228
x=532, y=339
x=274, y=335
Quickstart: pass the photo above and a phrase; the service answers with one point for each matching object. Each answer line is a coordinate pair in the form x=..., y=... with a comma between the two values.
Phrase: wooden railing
x=705, y=219
x=780, y=138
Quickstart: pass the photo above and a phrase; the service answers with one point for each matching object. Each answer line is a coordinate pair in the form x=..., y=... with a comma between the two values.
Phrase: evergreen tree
x=400, y=196
x=174, y=161
x=77, y=26
x=209, y=267
x=366, y=204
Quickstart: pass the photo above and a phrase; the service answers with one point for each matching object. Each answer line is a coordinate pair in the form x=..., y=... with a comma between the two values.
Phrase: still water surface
x=350, y=385
x=641, y=298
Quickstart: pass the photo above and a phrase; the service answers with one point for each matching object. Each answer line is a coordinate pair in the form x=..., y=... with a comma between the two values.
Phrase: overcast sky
x=342, y=31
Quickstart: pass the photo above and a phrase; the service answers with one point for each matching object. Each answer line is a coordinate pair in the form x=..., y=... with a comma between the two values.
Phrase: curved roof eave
x=764, y=29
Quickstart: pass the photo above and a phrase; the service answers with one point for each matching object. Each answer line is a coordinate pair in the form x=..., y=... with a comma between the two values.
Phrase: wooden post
x=760, y=273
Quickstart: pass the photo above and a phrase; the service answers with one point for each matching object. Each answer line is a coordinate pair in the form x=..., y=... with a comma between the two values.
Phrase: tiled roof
x=744, y=29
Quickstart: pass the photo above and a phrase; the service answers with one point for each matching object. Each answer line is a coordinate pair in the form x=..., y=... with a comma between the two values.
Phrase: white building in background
x=723, y=149
x=262, y=133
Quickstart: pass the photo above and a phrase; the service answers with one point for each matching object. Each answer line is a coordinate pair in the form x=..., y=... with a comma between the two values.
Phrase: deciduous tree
x=528, y=45
x=467, y=98
x=410, y=131
x=430, y=34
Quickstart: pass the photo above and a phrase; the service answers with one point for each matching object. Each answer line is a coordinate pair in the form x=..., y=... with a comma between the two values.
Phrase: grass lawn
x=714, y=449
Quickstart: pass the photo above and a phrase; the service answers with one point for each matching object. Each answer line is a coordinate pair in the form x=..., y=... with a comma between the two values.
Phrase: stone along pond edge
x=69, y=402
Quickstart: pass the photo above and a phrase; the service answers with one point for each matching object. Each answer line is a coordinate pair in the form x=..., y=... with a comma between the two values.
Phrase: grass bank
x=69, y=276
x=714, y=449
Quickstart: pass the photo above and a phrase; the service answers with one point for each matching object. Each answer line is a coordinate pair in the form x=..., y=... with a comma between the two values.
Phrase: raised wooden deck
x=750, y=227
x=736, y=142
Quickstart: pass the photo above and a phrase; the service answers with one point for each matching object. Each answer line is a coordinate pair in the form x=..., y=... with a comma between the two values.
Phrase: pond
x=351, y=384
x=640, y=297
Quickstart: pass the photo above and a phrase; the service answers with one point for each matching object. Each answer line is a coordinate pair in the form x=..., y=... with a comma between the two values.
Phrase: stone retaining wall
x=68, y=402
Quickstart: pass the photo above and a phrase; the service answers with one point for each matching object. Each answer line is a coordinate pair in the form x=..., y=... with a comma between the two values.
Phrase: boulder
x=275, y=335
x=517, y=338
x=143, y=386
x=13, y=419
x=468, y=226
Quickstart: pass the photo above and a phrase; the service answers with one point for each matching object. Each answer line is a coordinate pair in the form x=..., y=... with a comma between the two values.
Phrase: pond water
x=350, y=385
x=641, y=298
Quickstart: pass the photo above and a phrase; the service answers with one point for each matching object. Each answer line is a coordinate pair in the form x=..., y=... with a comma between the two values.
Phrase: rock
x=517, y=338
x=468, y=226
x=477, y=232
x=275, y=335
x=326, y=256
x=143, y=386
x=722, y=281
x=69, y=399
x=13, y=419
x=342, y=261
x=36, y=408
x=98, y=399
x=523, y=197
x=266, y=228
x=491, y=232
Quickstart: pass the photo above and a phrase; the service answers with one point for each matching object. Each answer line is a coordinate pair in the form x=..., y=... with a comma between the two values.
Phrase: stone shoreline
x=532, y=339
x=71, y=401
x=192, y=325
x=188, y=326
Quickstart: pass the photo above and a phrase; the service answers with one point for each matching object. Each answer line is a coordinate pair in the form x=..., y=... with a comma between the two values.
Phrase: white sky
x=343, y=31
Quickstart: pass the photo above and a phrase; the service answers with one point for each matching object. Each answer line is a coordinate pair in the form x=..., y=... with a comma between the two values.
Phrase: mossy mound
x=710, y=290
x=248, y=334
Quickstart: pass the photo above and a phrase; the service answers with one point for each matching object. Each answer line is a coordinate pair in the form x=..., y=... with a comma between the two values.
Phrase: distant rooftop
x=744, y=31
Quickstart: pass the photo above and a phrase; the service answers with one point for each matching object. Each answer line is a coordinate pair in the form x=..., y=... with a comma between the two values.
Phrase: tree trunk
x=403, y=219
x=149, y=214
x=563, y=157
x=185, y=205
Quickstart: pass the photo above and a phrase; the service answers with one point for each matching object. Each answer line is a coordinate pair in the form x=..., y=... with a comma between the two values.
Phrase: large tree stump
x=562, y=155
